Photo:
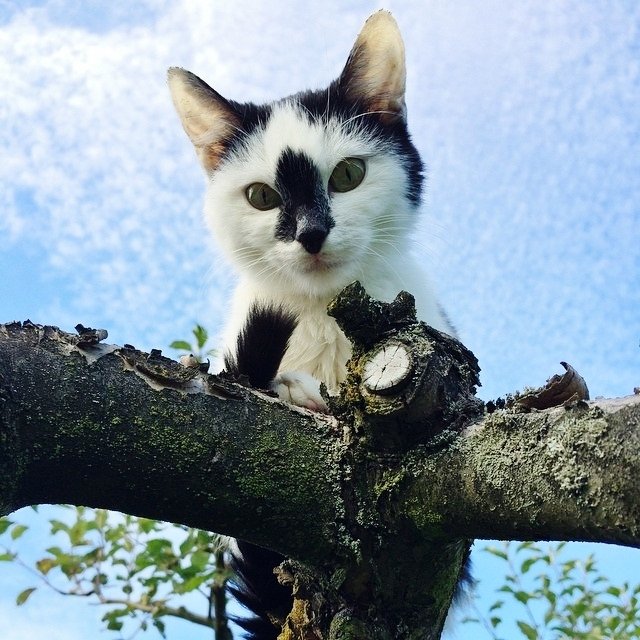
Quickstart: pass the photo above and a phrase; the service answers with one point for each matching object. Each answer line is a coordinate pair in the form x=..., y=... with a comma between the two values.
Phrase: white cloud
x=525, y=116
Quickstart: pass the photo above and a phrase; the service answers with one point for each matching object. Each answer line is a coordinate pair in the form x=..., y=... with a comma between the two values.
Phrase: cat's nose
x=311, y=237
x=312, y=227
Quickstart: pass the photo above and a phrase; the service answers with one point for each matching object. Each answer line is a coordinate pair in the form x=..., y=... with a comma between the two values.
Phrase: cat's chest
x=319, y=347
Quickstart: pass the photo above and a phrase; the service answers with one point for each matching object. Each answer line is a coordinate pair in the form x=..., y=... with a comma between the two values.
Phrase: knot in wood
x=388, y=368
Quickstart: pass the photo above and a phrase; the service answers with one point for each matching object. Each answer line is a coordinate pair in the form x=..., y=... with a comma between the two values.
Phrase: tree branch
x=106, y=427
x=380, y=499
x=560, y=474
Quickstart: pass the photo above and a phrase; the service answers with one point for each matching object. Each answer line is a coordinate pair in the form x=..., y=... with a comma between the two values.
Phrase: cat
x=305, y=195
x=312, y=192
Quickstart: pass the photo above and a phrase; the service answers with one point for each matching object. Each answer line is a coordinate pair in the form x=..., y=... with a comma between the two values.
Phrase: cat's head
x=311, y=192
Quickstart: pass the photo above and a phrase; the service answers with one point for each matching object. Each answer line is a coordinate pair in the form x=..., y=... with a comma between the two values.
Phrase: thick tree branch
x=115, y=428
x=409, y=460
x=560, y=474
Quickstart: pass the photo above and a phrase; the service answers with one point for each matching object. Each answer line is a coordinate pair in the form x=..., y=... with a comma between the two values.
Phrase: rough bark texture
x=376, y=504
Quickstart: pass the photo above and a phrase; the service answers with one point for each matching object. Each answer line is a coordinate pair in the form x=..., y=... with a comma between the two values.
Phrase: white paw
x=299, y=388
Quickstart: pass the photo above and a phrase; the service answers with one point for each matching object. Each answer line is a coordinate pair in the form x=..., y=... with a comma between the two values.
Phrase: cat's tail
x=260, y=347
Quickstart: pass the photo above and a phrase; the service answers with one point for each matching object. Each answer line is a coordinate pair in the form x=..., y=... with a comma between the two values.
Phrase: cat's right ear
x=374, y=76
x=209, y=120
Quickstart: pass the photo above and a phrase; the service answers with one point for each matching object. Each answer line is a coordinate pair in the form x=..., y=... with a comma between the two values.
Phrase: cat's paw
x=299, y=388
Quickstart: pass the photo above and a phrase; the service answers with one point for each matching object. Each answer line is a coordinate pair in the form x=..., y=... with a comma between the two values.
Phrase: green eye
x=262, y=196
x=347, y=175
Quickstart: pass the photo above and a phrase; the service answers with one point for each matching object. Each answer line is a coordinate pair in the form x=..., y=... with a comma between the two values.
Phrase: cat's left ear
x=375, y=73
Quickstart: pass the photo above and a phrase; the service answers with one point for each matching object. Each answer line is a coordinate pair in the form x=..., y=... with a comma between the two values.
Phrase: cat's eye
x=347, y=175
x=262, y=196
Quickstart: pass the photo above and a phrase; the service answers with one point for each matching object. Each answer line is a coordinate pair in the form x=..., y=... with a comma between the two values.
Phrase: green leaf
x=7, y=557
x=201, y=335
x=146, y=525
x=24, y=595
x=563, y=629
x=58, y=525
x=522, y=596
x=189, y=585
x=77, y=533
x=160, y=626
x=45, y=565
x=5, y=523
x=527, y=564
x=101, y=518
x=115, y=625
x=17, y=531
x=528, y=630
x=112, y=619
x=186, y=545
x=199, y=560
x=495, y=621
x=497, y=552
x=182, y=345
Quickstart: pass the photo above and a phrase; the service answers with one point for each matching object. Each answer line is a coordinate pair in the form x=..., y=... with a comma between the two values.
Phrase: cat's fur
x=300, y=254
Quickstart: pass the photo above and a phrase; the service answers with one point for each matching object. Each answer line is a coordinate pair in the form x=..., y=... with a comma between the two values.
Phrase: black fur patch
x=256, y=588
x=304, y=215
x=261, y=345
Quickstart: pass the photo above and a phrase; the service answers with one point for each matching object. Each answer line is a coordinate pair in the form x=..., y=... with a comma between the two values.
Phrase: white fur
x=369, y=242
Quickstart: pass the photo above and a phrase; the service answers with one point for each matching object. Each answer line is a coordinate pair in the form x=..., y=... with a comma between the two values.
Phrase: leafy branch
x=140, y=569
x=564, y=599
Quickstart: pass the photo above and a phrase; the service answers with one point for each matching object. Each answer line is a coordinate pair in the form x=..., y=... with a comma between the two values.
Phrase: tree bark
x=376, y=504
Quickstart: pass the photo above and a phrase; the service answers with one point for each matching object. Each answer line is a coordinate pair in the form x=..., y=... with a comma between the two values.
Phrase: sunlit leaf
x=527, y=630
x=201, y=335
x=45, y=565
x=23, y=596
x=17, y=531
x=182, y=345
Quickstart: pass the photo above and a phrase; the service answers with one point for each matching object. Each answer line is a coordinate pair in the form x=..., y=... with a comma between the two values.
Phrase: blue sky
x=525, y=113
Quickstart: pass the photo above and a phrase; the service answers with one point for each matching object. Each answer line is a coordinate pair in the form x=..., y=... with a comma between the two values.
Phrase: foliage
x=140, y=569
x=558, y=598
x=197, y=348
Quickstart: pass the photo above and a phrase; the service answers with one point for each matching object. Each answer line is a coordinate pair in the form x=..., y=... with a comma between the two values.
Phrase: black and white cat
x=311, y=192
x=306, y=195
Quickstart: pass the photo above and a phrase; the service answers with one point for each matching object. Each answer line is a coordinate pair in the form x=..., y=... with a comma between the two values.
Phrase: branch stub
x=388, y=368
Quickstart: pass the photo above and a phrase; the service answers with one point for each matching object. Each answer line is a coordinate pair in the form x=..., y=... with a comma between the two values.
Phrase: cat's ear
x=374, y=75
x=209, y=120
